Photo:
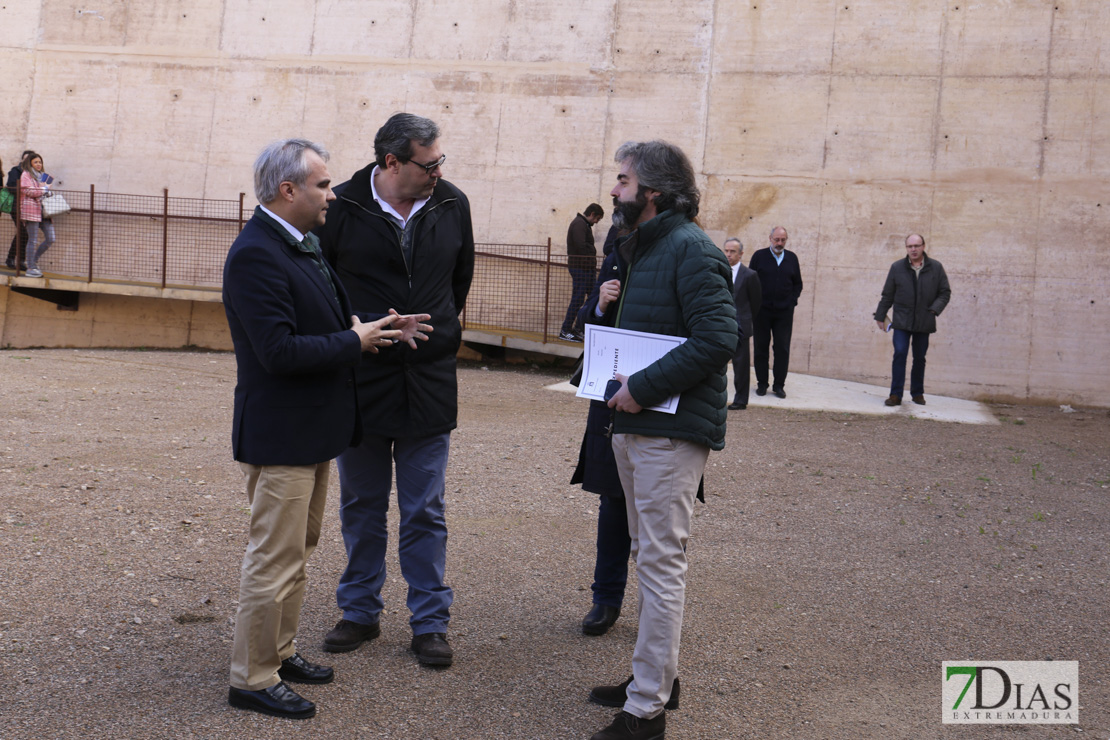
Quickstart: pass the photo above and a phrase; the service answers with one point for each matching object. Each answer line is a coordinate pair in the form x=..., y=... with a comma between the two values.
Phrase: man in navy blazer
x=748, y=297
x=297, y=344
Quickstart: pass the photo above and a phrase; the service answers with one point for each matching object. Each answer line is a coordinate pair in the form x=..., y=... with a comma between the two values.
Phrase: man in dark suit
x=297, y=343
x=748, y=296
x=780, y=277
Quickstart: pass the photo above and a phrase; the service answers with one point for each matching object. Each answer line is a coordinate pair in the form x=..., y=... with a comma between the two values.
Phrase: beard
x=627, y=213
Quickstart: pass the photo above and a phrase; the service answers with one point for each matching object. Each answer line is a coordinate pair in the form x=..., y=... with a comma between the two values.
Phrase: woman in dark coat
x=597, y=472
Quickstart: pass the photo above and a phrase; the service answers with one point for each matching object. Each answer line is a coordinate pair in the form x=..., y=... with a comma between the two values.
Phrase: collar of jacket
x=924, y=262
x=358, y=191
x=658, y=227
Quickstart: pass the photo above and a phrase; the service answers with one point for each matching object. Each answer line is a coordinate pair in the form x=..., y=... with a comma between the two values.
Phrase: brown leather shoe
x=919, y=400
x=431, y=648
x=346, y=635
x=893, y=401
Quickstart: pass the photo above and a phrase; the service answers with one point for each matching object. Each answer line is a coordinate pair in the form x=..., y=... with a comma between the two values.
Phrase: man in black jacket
x=400, y=236
x=780, y=276
x=918, y=289
x=582, y=264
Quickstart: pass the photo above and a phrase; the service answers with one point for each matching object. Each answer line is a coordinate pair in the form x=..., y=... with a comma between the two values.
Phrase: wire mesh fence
x=134, y=239
x=164, y=241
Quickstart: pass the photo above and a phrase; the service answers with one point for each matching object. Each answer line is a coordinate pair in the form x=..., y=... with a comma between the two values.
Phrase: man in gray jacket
x=918, y=289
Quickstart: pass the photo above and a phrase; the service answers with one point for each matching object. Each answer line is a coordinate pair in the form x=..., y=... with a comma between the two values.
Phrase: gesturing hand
x=374, y=334
x=411, y=327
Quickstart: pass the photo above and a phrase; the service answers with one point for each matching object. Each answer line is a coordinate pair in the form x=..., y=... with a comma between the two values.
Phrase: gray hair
x=398, y=133
x=283, y=161
x=778, y=228
x=738, y=242
x=665, y=168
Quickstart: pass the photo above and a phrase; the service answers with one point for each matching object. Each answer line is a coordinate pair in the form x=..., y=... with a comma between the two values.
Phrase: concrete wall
x=852, y=123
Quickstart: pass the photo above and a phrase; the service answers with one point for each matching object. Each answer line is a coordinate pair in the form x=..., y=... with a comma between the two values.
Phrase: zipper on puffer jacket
x=419, y=217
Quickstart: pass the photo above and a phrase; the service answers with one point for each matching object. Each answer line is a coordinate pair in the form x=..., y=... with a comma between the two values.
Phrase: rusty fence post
x=92, y=212
x=165, y=231
x=546, y=289
x=241, y=197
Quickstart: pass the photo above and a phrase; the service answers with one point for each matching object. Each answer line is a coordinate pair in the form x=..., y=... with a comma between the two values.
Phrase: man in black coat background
x=780, y=277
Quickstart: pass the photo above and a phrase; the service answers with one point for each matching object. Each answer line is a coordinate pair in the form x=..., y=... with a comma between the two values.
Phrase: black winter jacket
x=405, y=392
x=917, y=300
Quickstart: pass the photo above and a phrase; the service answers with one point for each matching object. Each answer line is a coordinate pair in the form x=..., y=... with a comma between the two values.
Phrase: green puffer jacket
x=678, y=284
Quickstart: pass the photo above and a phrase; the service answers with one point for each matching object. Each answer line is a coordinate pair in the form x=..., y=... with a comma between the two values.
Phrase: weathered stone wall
x=852, y=123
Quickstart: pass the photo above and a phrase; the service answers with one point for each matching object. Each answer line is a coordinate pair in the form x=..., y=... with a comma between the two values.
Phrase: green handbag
x=7, y=200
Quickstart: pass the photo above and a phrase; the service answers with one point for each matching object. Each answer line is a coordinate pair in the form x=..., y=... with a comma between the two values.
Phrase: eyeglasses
x=431, y=165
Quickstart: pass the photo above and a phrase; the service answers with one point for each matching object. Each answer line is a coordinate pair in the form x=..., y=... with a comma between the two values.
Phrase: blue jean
x=582, y=281
x=613, y=548
x=33, y=251
x=902, y=342
x=365, y=477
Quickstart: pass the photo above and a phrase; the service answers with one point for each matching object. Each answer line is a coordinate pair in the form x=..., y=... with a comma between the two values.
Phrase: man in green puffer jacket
x=677, y=284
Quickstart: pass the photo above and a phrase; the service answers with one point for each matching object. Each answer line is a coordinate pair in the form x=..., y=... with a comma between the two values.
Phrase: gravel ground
x=839, y=559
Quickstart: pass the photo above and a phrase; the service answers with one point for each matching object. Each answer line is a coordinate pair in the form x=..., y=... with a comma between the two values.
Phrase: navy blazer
x=747, y=294
x=295, y=397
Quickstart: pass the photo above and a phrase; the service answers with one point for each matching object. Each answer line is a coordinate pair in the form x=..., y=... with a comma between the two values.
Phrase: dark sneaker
x=627, y=726
x=569, y=336
x=347, y=636
x=616, y=696
x=779, y=392
x=761, y=390
x=431, y=648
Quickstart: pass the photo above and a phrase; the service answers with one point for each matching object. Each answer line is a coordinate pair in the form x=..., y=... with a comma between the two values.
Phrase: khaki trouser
x=660, y=477
x=287, y=507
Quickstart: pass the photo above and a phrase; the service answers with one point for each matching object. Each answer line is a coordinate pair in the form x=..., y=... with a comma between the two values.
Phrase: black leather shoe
x=919, y=400
x=893, y=401
x=627, y=726
x=761, y=390
x=615, y=696
x=600, y=619
x=278, y=701
x=431, y=648
x=736, y=405
x=296, y=669
x=346, y=635
x=779, y=392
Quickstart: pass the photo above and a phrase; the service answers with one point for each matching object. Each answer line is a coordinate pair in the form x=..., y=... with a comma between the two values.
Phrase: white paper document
x=609, y=351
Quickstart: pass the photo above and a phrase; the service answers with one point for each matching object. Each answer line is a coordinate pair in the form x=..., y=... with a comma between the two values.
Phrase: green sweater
x=678, y=284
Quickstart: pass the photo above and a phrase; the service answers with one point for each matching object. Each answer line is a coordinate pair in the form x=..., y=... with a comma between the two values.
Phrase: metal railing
x=138, y=239
x=165, y=241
